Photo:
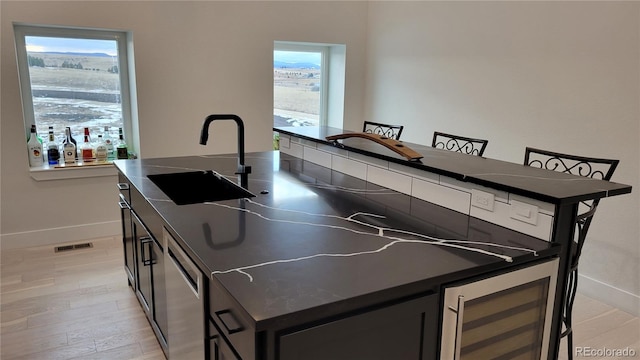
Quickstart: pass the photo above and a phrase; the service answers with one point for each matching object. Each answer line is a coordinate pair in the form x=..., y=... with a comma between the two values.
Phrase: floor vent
x=73, y=247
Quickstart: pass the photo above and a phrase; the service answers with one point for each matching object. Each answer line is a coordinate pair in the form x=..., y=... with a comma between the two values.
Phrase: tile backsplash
x=529, y=216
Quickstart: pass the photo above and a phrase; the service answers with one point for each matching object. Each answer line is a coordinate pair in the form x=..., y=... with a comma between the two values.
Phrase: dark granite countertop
x=549, y=186
x=319, y=243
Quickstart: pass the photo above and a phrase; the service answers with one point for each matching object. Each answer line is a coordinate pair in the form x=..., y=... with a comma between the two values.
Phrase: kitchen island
x=538, y=202
x=319, y=264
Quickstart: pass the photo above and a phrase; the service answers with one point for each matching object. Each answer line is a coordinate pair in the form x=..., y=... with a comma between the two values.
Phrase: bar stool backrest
x=387, y=130
x=461, y=144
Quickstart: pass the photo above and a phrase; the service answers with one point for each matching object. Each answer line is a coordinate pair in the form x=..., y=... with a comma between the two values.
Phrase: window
x=308, y=84
x=77, y=78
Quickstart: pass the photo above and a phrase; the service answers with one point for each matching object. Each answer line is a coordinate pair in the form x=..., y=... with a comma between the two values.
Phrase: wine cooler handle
x=459, y=322
x=143, y=241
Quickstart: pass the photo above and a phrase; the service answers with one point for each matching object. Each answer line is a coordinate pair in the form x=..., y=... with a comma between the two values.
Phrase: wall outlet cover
x=524, y=212
x=482, y=199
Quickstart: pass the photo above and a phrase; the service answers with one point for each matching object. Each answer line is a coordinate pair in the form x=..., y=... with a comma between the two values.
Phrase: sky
x=52, y=44
x=297, y=56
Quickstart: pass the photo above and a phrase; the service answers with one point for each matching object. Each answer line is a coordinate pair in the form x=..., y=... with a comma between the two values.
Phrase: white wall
x=192, y=59
x=563, y=76
x=557, y=75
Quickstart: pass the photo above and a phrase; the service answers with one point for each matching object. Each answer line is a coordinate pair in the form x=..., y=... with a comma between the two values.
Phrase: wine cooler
x=507, y=316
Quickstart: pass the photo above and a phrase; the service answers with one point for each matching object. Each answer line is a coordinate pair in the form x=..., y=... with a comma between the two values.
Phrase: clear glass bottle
x=35, y=148
x=53, y=149
x=121, y=147
x=101, y=150
x=69, y=148
x=111, y=150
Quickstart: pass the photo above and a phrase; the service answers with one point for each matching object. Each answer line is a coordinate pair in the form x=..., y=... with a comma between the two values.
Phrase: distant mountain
x=74, y=53
x=294, y=65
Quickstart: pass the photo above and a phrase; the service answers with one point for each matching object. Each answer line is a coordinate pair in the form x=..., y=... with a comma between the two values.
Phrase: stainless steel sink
x=197, y=187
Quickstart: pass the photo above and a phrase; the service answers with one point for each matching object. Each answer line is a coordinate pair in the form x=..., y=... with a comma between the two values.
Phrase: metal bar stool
x=459, y=144
x=390, y=131
x=596, y=168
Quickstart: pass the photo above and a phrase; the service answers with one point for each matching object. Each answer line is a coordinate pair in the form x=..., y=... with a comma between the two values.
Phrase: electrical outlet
x=524, y=212
x=482, y=199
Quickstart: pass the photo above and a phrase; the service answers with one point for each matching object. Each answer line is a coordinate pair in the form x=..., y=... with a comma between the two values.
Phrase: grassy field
x=94, y=76
x=61, y=94
x=296, y=95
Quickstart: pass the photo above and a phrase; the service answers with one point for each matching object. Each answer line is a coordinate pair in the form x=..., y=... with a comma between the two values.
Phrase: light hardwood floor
x=71, y=305
x=77, y=305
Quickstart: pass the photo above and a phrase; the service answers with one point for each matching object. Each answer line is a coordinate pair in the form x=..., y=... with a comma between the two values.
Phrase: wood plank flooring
x=77, y=305
x=71, y=305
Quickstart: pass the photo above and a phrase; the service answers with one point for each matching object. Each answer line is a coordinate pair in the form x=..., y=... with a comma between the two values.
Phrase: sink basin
x=198, y=187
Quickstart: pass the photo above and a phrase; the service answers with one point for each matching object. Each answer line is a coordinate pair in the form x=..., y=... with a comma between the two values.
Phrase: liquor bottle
x=33, y=130
x=69, y=148
x=111, y=151
x=101, y=150
x=86, y=133
x=35, y=149
x=121, y=148
x=86, y=149
x=70, y=138
x=53, y=149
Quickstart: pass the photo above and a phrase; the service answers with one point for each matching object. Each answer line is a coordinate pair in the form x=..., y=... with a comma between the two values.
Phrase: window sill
x=46, y=172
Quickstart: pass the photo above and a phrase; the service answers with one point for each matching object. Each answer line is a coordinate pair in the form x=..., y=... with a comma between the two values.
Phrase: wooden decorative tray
x=392, y=144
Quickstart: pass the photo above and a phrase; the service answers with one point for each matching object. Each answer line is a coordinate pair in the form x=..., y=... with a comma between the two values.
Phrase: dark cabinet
x=143, y=261
x=407, y=330
x=144, y=249
x=219, y=347
x=128, y=242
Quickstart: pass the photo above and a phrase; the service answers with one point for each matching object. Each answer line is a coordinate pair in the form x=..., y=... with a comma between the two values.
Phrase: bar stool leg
x=572, y=287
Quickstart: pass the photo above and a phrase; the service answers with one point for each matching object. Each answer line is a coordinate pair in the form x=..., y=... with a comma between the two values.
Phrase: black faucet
x=243, y=170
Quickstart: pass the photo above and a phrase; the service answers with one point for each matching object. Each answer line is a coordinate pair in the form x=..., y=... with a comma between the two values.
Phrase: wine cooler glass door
x=507, y=316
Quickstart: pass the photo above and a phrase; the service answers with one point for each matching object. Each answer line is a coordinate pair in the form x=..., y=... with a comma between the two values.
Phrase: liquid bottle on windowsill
x=101, y=150
x=53, y=149
x=86, y=149
x=70, y=138
x=111, y=150
x=121, y=147
x=69, y=148
x=35, y=149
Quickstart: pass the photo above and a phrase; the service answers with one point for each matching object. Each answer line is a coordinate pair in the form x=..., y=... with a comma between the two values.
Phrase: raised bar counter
x=549, y=186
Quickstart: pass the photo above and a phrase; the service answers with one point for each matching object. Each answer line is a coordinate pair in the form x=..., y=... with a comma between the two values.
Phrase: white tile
x=413, y=172
x=450, y=198
x=317, y=157
x=389, y=179
x=285, y=141
x=309, y=143
x=349, y=167
x=501, y=216
x=499, y=195
x=369, y=160
x=293, y=150
x=332, y=149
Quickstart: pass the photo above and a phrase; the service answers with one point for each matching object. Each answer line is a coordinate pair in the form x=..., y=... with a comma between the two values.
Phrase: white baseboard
x=60, y=235
x=609, y=295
